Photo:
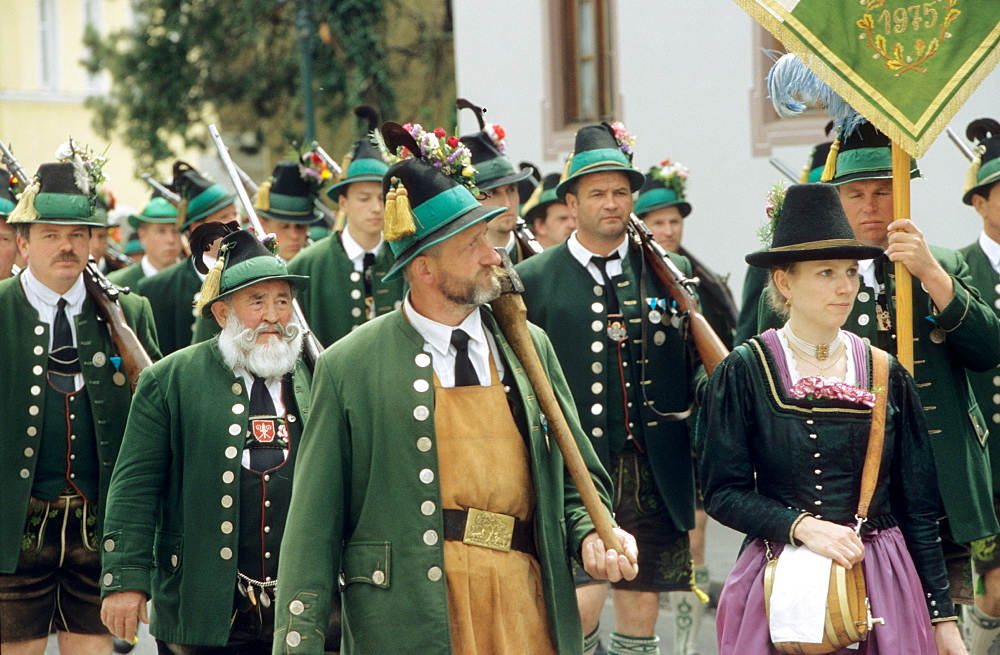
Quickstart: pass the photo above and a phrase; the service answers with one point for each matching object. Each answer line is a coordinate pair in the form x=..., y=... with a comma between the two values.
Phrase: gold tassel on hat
x=972, y=177
x=25, y=211
x=565, y=172
x=532, y=200
x=182, y=212
x=262, y=200
x=804, y=178
x=210, y=287
x=830, y=170
x=398, y=216
x=345, y=164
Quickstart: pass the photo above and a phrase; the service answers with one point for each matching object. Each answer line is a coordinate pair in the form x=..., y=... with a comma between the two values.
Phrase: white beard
x=274, y=359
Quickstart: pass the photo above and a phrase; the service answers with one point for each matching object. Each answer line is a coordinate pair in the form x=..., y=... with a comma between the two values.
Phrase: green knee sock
x=590, y=641
x=624, y=645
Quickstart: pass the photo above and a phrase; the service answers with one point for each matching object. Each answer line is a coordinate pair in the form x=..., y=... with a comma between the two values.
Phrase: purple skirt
x=893, y=589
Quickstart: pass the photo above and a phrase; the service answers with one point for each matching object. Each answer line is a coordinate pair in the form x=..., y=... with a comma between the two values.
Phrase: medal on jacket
x=656, y=308
x=616, y=328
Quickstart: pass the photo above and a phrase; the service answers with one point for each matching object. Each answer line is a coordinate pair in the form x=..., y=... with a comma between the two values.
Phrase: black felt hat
x=364, y=163
x=597, y=148
x=985, y=168
x=812, y=225
x=866, y=154
x=813, y=171
x=203, y=197
x=55, y=197
x=493, y=168
x=543, y=196
x=288, y=196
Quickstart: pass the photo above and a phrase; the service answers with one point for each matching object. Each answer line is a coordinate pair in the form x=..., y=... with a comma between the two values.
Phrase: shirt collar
x=33, y=286
x=147, y=267
x=991, y=249
x=438, y=335
x=352, y=248
x=582, y=255
x=511, y=244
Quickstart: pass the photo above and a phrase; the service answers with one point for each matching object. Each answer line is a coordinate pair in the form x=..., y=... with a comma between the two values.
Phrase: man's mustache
x=66, y=257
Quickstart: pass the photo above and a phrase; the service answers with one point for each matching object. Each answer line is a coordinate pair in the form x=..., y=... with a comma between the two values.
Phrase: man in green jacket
x=428, y=482
x=352, y=263
x=954, y=331
x=630, y=371
x=156, y=227
x=199, y=495
x=172, y=291
x=63, y=416
x=983, y=258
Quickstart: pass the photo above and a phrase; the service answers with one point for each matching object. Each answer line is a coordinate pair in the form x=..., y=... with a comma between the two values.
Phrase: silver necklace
x=820, y=351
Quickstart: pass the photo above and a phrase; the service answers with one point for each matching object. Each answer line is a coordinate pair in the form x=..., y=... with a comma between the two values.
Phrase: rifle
x=526, y=239
x=681, y=289
x=8, y=160
x=175, y=200
x=961, y=145
x=105, y=297
x=329, y=217
x=784, y=169
x=312, y=347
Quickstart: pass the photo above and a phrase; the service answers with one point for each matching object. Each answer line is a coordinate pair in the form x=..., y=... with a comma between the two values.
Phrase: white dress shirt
x=147, y=267
x=437, y=343
x=45, y=302
x=866, y=267
x=354, y=250
x=582, y=255
x=992, y=250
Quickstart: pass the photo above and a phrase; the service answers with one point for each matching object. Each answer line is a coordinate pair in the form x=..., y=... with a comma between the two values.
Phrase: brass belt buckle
x=489, y=530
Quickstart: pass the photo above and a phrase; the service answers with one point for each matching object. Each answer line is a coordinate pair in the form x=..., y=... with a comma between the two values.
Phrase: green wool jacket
x=565, y=301
x=969, y=340
x=176, y=482
x=128, y=276
x=333, y=301
x=986, y=384
x=367, y=490
x=171, y=293
x=23, y=371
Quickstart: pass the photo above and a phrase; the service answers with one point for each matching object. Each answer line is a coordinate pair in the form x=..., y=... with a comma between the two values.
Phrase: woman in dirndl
x=782, y=436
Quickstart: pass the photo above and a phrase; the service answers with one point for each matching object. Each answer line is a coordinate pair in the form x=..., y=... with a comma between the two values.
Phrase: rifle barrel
x=961, y=145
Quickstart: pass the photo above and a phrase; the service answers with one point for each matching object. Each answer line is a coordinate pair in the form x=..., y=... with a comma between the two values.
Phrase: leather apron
x=496, y=602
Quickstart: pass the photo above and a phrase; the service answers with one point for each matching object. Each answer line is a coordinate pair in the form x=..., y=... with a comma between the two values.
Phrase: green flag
x=905, y=65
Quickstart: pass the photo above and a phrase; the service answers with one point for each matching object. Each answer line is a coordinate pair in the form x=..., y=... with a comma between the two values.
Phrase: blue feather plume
x=790, y=85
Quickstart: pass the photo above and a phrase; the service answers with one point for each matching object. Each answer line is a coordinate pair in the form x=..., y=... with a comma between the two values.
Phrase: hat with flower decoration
x=63, y=192
x=810, y=224
x=598, y=148
x=430, y=191
x=243, y=260
x=104, y=202
x=290, y=194
x=157, y=210
x=200, y=197
x=864, y=154
x=664, y=187
x=488, y=145
x=544, y=195
x=365, y=162
x=7, y=199
x=985, y=168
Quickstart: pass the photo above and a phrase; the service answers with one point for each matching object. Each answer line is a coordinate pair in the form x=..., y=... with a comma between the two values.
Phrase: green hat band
x=367, y=167
x=865, y=160
x=989, y=171
x=213, y=198
x=816, y=174
x=588, y=159
x=6, y=207
x=436, y=212
x=291, y=205
x=64, y=206
x=655, y=199
x=249, y=270
x=493, y=169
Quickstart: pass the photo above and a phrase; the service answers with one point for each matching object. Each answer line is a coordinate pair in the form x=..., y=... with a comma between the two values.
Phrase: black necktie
x=610, y=299
x=63, y=360
x=465, y=374
x=368, y=266
x=266, y=451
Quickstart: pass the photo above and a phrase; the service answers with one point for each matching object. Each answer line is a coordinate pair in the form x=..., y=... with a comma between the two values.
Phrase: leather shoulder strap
x=873, y=458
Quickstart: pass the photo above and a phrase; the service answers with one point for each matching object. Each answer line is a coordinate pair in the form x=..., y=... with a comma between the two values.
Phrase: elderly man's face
x=465, y=268
x=268, y=302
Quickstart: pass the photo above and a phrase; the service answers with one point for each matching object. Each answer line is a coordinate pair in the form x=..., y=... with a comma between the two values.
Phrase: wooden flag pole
x=904, y=281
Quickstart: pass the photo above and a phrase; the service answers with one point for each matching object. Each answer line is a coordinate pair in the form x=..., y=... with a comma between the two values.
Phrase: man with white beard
x=199, y=494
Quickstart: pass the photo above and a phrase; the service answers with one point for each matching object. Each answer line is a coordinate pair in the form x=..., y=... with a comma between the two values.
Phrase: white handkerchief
x=798, y=597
